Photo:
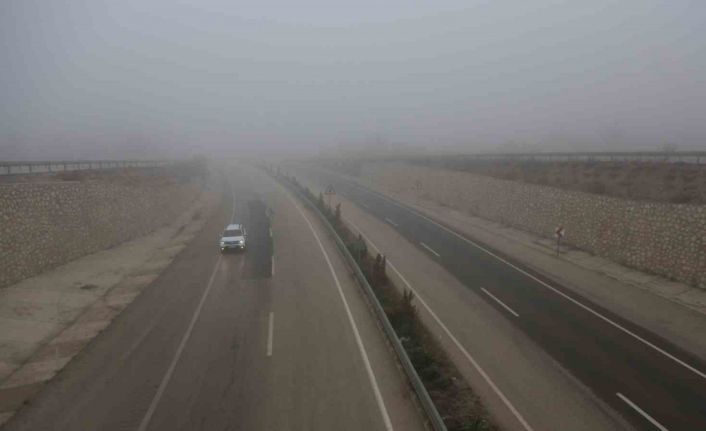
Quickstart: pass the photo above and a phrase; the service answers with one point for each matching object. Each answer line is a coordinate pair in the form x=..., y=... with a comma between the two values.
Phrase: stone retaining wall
x=43, y=225
x=660, y=238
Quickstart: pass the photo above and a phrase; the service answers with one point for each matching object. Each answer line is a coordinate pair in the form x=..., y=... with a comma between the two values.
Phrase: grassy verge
x=458, y=406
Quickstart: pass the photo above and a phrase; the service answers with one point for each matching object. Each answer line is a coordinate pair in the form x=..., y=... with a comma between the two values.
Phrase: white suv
x=233, y=237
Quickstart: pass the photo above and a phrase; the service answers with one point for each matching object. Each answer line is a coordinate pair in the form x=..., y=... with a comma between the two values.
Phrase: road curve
x=273, y=338
x=649, y=381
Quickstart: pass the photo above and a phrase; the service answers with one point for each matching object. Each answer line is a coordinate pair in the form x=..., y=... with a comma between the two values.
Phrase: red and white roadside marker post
x=559, y=234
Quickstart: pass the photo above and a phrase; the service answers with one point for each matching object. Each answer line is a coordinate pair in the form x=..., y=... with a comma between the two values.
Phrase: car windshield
x=233, y=232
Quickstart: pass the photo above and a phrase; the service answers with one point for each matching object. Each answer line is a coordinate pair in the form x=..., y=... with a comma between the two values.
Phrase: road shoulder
x=49, y=318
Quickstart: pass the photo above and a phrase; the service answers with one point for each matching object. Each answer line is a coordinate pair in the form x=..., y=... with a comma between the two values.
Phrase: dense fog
x=90, y=79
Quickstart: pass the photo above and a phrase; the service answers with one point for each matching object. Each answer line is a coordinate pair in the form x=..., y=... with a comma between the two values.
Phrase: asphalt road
x=270, y=339
x=652, y=383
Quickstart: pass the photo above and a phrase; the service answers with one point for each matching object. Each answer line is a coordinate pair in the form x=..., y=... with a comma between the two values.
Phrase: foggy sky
x=113, y=79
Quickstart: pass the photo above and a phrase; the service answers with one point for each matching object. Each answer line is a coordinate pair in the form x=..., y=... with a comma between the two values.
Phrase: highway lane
x=648, y=380
x=234, y=342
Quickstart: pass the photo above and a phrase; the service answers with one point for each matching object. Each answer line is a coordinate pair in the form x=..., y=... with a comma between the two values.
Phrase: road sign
x=559, y=232
x=329, y=192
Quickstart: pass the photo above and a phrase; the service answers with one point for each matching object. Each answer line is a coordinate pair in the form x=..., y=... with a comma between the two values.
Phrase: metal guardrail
x=697, y=157
x=425, y=401
x=37, y=167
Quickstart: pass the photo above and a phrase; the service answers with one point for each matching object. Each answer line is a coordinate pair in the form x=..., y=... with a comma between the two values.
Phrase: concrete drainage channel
x=379, y=306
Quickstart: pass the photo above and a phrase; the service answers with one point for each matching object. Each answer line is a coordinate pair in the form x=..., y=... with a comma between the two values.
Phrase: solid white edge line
x=641, y=412
x=391, y=222
x=144, y=423
x=457, y=343
x=429, y=248
x=500, y=302
x=358, y=339
x=272, y=267
x=558, y=292
x=270, y=333
x=167, y=377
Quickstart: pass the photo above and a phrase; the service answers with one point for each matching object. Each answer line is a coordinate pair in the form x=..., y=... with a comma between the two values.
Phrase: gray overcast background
x=86, y=79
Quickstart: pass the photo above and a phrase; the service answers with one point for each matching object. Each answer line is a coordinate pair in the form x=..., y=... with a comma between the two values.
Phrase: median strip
x=453, y=338
x=441, y=391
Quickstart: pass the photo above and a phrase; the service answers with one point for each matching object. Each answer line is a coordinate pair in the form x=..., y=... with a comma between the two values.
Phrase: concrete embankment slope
x=660, y=238
x=46, y=224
